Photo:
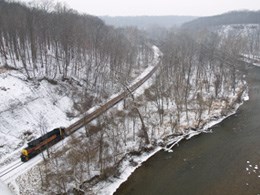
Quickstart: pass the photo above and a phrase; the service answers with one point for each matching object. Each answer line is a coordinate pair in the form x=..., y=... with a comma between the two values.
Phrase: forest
x=200, y=78
x=54, y=42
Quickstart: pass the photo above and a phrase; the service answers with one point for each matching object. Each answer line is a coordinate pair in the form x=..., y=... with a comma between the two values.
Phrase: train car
x=42, y=143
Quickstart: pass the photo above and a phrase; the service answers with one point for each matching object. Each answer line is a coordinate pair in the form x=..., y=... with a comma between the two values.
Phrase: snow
x=246, y=97
x=252, y=169
x=139, y=91
x=174, y=142
x=25, y=106
x=126, y=169
x=206, y=128
x=29, y=105
x=49, y=103
x=109, y=187
x=252, y=59
x=4, y=190
x=105, y=188
x=243, y=30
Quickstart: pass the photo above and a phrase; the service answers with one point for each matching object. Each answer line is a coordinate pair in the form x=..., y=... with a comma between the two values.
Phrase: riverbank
x=132, y=162
x=225, y=161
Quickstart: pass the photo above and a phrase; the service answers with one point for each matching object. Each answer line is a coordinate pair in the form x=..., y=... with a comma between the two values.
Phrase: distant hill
x=144, y=22
x=234, y=17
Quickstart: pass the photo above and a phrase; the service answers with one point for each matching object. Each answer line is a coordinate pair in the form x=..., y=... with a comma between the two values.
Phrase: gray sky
x=160, y=7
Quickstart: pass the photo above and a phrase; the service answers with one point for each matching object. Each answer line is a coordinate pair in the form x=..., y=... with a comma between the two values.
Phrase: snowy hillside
x=4, y=189
x=155, y=116
x=243, y=30
x=50, y=78
x=122, y=134
x=29, y=109
x=240, y=38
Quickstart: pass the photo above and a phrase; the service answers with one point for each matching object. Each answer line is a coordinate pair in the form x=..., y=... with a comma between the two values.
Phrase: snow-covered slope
x=4, y=189
x=242, y=38
x=28, y=109
x=40, y=107
x=242, y=29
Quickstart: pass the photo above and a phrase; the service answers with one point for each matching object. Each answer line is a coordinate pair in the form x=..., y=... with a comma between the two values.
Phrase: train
x=42, y=143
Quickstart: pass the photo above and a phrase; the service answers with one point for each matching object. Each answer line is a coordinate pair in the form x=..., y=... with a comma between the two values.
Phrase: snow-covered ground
x=253, y=59
x=244, y=38
x=240, y=29
x=4, y=190
x=31, y=116
x=126, y=168
x=29, y=109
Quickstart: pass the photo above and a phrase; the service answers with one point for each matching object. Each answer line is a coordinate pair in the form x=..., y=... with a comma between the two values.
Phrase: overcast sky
x=160, y=7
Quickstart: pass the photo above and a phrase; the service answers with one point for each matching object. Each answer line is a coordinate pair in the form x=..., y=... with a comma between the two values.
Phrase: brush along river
x=224, y=162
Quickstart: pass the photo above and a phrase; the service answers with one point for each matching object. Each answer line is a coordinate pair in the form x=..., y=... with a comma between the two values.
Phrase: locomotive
x=42, y=143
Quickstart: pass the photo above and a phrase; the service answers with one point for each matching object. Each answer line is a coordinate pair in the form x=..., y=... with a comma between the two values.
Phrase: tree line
x=233, y=17
x=53, y=41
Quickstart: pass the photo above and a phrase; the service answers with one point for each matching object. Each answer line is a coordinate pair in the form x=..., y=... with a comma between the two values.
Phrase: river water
x=225, y=162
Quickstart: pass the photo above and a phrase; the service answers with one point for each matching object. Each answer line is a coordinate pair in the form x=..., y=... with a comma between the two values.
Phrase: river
x=224, y=162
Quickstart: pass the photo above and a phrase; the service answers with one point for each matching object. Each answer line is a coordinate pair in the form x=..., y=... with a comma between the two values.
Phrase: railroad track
x=9, y=171
x=10, y=168
x=103, y=108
